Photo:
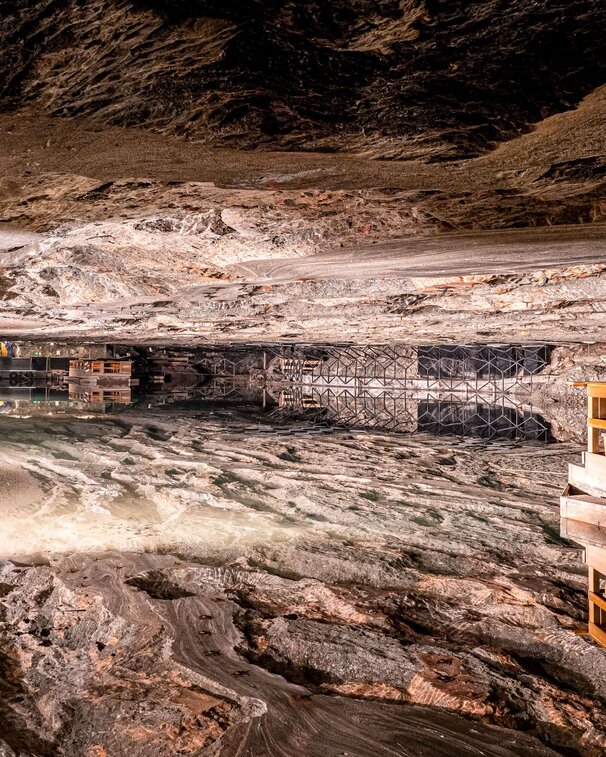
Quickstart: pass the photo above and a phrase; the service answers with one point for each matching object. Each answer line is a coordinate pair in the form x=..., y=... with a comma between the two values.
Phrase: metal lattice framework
x=464, y=390
x=482, y=419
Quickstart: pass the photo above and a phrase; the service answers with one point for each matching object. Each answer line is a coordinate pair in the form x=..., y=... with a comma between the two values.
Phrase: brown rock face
x=393, y=77
x=145, y=234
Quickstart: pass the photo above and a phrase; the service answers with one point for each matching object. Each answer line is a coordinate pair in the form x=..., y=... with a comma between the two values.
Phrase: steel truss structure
x=463, y=390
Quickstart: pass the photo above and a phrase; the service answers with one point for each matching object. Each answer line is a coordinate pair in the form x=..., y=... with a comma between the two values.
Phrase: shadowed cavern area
x=299, y=306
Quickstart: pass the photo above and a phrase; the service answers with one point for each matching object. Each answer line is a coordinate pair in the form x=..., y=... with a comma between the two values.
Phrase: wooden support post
x=593, y=433
x=595, y=611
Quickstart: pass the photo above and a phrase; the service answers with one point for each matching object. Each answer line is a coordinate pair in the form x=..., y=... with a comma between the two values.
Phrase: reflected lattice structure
x=481, y=391
x=481, y=419
x=482, y=362
x=464, y=390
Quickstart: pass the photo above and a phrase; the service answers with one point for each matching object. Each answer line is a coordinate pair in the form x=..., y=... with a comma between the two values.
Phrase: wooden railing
x=100, y=368
x=597, y=607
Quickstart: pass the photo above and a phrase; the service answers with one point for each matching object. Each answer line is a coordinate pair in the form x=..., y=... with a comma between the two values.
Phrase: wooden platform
x=576, y=504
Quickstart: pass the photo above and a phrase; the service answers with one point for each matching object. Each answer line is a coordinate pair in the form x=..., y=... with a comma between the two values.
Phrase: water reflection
x=124, y=465
x=457, y=390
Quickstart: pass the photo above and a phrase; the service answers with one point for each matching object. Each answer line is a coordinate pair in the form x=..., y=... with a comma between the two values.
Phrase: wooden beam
x=595, y=557
x=593, y=433
x=596, y=389
x=586, y=481
x=597, y=603
x=594, y=580
x=597, y=599
x=597, y=634
x=595, y=463
x=584, y=508
x=585, y=534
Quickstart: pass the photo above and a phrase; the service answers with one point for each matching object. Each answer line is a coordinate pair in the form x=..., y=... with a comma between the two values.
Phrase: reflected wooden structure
x=583, y=507
x=100, y=381
x=88, y=368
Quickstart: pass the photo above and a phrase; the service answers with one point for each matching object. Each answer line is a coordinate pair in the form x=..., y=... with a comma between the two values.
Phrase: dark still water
x=479, y=391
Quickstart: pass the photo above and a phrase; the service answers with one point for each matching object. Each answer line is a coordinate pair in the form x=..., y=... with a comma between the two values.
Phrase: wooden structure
x=593, y=540
x=86, y=368
x=98, y=381
x=597, y=604
x=99, y=396
x=583, y=507
x=293, y=367
x=596, y=413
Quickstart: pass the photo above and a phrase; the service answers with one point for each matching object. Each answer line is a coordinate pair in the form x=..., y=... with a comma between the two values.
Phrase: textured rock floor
x=183, y=588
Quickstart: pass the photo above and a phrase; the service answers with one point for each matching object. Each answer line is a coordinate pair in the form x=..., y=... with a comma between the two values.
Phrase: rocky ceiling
x=488, y=116
x=448, y=79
